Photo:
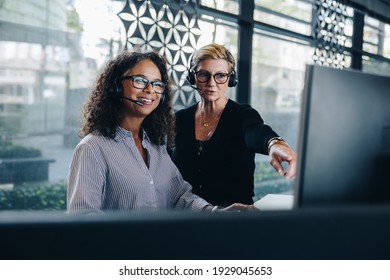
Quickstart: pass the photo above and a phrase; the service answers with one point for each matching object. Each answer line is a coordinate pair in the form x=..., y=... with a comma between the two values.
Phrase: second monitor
x=344, y=142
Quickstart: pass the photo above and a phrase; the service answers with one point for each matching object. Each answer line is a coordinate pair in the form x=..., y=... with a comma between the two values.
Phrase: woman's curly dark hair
x=103, y=110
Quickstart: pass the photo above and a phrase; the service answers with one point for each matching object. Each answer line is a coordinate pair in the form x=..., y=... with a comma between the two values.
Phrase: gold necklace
x=207, y=128
x=205, y=123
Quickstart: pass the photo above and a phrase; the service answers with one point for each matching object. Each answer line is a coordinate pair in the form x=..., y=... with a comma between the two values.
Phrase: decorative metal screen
x=171, y=27
x=330, y=22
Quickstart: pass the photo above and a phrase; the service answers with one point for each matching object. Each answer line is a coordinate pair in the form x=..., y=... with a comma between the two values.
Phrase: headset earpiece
x=162, y=98
x=191, y=77
x=191, y=72
x=233, y=79
x=119, y=88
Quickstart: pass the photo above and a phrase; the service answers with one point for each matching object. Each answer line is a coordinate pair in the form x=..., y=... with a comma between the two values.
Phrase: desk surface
x=322, y=233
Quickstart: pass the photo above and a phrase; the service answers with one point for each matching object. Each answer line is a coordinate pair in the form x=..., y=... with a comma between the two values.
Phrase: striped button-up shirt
x=110, y=174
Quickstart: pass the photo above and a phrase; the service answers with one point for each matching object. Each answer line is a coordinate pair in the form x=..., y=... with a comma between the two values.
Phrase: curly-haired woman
x=122, y=162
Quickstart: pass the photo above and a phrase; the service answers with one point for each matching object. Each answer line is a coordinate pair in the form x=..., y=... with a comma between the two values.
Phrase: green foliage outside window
x=34, y=197
x=9, y=150
x=268, y=181
x=264, y=171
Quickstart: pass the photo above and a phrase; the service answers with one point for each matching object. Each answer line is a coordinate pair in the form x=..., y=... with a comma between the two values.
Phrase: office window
x=386, y=42
x=278, y=68
x=293, y=15
x=229, y=6
x=376, y=66
x=50, y=54
x=376, y=41
x=373, y=36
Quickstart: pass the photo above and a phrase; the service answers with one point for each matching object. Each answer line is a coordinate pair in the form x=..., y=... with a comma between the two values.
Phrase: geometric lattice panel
x=171, y=28
x=329, y=30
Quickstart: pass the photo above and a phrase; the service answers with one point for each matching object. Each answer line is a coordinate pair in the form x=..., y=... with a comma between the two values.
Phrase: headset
x=118, y=88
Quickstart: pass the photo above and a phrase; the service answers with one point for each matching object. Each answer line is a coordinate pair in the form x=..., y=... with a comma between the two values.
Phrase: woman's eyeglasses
x=142, y=83
x=204, y=76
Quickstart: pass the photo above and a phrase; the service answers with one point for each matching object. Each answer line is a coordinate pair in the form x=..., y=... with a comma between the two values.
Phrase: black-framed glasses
x=203, y=76
x=142, y=83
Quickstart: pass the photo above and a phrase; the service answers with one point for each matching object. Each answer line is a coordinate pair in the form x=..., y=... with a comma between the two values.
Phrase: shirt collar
x=122, y=133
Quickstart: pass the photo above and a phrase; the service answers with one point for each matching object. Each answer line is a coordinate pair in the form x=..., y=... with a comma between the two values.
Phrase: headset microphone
x=134, y=101
x=119, y=93
x=196, y=88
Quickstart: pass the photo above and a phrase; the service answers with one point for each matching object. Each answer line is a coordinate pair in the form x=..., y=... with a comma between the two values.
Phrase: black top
x=222, y=172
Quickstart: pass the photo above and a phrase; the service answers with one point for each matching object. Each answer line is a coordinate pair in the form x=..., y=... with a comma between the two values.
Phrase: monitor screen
x=344, y=140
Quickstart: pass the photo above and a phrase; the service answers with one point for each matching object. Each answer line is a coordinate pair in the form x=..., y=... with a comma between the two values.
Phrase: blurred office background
x=52, y=51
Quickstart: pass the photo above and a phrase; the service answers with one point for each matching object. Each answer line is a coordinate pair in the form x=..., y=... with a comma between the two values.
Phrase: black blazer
x=222, y=173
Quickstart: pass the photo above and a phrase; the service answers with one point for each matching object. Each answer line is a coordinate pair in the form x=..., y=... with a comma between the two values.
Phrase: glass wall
x=228, y=6
x=376, y=44
x=294, y=15
x=50, y=55
x=278, y=69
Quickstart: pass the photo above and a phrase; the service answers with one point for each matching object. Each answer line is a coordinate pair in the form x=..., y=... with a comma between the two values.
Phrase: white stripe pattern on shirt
x=110, y=174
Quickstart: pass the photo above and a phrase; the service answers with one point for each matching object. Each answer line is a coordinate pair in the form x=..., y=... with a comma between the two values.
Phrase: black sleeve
x=256, y=133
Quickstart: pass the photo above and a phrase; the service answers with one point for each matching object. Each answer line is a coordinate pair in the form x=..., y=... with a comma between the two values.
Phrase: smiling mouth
x=146, y=101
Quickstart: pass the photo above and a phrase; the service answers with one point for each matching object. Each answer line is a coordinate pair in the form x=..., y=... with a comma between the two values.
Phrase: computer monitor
x=344, y=140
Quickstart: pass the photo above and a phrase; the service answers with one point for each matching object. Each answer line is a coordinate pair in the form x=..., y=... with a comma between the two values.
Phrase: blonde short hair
x=212, y=51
